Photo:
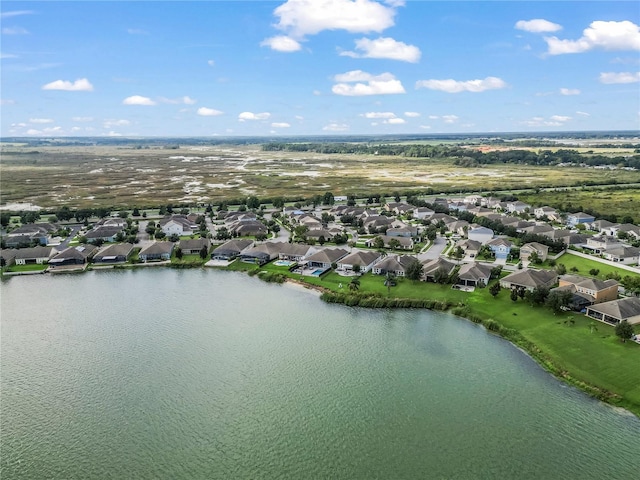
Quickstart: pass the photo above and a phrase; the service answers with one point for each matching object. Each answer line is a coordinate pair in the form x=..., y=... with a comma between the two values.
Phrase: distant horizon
x=146, y=69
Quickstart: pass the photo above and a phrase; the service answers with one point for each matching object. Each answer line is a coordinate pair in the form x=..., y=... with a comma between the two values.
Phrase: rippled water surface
x=203, y=374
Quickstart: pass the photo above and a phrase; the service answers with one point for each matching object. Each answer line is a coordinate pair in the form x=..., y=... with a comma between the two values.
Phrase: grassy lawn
x=584, y=265
x=192, y=260
x=26, y=268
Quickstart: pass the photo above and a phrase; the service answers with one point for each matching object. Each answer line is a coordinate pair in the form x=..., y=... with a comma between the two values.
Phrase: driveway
x=438, y=246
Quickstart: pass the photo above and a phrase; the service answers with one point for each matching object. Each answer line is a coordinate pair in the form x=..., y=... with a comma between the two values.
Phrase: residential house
x=480, y=211
x=550, y=213
x=178, y=224
x=501, y=248
x=294, y=252
x=79, y=255
x=7, y=257
x=537, y=229
x=479, y=234
x=530, y=279
x=574, y=219
x=632, y=231
x=446, y=219
x=430, y=267
x=247, y=228
x=326, y=257
x=30, y=233
x=261, y=253
x=34, y=255
x=457, y=206
x=404, y=243
x=600, y=243
x=623, y=254
x=364, y=259
x=592, y=289
x=474, y=274
x=471, y=248
x=103, y=234
x=377, y=223
x=114, y=253
x=517, y=207
x=405, y=231
x=616, y=311
x=422, y=213
x=603, y=227
x=458, y=228
x=396, y=264
x=534, y=247
x=156, y=251
x=472, y=199
x=194, y=246
x=327, y=234
x=231, y=249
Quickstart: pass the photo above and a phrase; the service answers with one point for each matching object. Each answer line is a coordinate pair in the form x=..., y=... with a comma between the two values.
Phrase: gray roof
x=621, y=309
x=157, y=248
x=233, y=246
x=474, y=271
x=80, y=252
x=115, y=250
x=328, y=255
x=192, y=244
x=430, y=267
x=102, y=232
x=35, y=252
x=531, y=278
x=360, y=257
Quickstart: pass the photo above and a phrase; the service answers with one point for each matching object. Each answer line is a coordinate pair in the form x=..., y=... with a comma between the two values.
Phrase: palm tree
x=390, y=281
x=354, y=286
x=593, y=327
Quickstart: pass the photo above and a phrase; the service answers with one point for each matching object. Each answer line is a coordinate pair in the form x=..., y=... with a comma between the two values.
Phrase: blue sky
x=317, y=67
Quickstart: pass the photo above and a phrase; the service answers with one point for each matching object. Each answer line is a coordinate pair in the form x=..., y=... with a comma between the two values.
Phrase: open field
x=124, y=176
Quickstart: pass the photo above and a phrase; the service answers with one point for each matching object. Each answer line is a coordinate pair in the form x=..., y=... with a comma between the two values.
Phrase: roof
x=192, y=244
x=157, y=248
x=432, y=266
x=580, y=215
x=531, y=278
x=328, y=255
x=35, y=252
x=102, y=232
x=469, y=244
x=538, y=247
x=474, y=271
x=498, y=242
x=623, y=252
x=236, y=245
x=360, y=257
x=80, y=252
x=115, y=250
x=621, y=309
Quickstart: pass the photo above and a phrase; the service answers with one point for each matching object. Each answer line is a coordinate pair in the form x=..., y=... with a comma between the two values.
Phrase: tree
x=394, y=243
x=440, y=275
x=204, y=252
x=378, y=243
x=5, y=218
x=278, y=202
x=136, y=212
x=390, y=281
x=594, y=272
x=624, y=330
x=123, y=214
x=494, y=289
x=328, y=198
x=179, y=253
x=356, y=269
x=561, y=269
x=534, y=258
x=514, y=295
x=593, y=327
x=253, y=202
x=559, y=300
x=354, y=285
x=414, y=270
x=174, y=237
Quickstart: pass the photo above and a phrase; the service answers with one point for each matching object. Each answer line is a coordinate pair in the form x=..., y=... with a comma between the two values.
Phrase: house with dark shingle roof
x=104, y=233
x=474, y=274
x=79, y=255
x=623, y=254
x=193, y=246
x=528, y=248
x=430, y=267
x=232, y=249
x=34, y=255
x=261, y=253
x=157, y=251
x=396, y=264
x=365, y=259
x=114, y=253
x=324, y=258
x=616, y=311
x=592, y=289
x=530, y=279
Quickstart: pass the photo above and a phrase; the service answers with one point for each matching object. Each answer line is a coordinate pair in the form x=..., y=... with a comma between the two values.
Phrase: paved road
x=439, y=244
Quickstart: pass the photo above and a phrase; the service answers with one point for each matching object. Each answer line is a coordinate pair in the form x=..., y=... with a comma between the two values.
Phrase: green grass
x=188, y=260
x=584, y=265
x=26, y=268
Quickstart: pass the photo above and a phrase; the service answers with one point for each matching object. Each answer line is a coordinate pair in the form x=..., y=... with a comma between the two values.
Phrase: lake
x=189, y=374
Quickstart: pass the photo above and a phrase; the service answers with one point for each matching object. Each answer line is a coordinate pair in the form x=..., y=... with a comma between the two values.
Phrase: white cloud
x=569, y=91
x=138, y=100
x=114, y=134
x=7, y=55
x=299, y=118
x=15, y=31
x=553, y=121
x=425, y=127
x=211, y=63
x=411, y=114
x=75, y=129
x=623, y=35
x=537, y=25
x=280, y=125
x=82, y=119
x=584, y=114
x=560, y=118
x=385, y=47
x=80, y=85
x=450, y=118
x=309, y=17
x=208, y=112
x=281, y=43
x=336, y=127
x=109, y=124
x=433, y=117
x=253, y=116
x=378, y=115
x=137, y=31
x=7, y=101
x=619, y=77
x=455, y=86
x=395, y=121
x=33, y=131
x=40, y=120
x=350, y=84
x=177, y=101
x=16, y=13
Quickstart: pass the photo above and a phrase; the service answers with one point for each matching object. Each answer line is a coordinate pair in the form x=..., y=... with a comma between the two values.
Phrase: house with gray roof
x=591, y=289
x=34, y=255
x=326, y=257
x=530, y=279
x=616, y=311
x=294, y=252
x=364, y=259
x=471, y=248
x=501, y=247
x=232, y=249
x=528, y=248
x=474, y=274
x=157, y=251
x=623, y=254
x=114, y=253
x=261, y=253
x=574, y=219
x=193, y=246
x=430, y=267
x=103, y=233
x=396, y=264
x=480, y=234
x=79, y=255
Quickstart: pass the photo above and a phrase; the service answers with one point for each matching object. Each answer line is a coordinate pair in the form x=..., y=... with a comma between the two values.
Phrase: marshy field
x=128, y=175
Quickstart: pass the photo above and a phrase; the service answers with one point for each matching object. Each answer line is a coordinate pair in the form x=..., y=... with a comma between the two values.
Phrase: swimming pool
x=317, y=272
x=283, y=263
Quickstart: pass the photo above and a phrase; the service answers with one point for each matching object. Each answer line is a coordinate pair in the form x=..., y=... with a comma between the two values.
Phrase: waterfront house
x=261, y=253
x=592, y=289
x=294, y=252
x=326, y=257
x=157, y=251
x=231, y=249
x=530, y=279
x=474, y=274
x=34, y=255
x=194, y=246
x=396, y=264
x=616, y=311
x=7, y=257
x=430, y=267
x=79, y=255
x=365, y=259
x=114, y=253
